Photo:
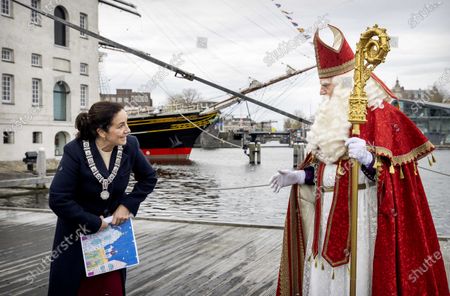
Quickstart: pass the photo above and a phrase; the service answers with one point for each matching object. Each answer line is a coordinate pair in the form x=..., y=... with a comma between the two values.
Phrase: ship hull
x=169, y=137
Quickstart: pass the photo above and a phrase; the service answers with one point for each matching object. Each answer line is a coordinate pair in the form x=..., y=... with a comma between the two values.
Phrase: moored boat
x=169, y=136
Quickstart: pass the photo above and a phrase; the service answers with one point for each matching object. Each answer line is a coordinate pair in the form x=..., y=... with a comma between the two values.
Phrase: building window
x=36, y=92
x=84, y=96
x=60, y=98
x=7, y=54
x=36, y=60
x=6, y=7
x=7, y=88
x=8, y=137
x=60, y=29
x=37, y=137
x=84, y=70
x=35, y=16
x=83, y=24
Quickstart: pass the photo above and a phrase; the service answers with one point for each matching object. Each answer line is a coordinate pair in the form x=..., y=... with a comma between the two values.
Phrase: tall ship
x=164, y=133
x=168, y=133
x=169, y=136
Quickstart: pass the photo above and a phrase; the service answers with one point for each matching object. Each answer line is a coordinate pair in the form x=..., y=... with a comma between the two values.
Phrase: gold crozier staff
x=374, y=52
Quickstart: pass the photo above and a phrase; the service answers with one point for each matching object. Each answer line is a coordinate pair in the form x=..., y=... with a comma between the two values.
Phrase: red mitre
x=331, y=61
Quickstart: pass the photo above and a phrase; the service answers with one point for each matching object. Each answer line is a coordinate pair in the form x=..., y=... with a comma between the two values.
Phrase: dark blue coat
x=75, y=199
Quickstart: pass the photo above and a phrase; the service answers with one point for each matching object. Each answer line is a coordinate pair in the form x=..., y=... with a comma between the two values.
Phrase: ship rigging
x=171, y=136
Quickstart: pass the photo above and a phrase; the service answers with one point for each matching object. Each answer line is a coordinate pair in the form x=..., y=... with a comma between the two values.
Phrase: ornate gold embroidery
x=415, y=154
x=334, y=71
x=293, y=247
x=284, y=265
x=327, y=233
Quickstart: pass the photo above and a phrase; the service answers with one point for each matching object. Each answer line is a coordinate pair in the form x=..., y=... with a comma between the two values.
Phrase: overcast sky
x=240, y=34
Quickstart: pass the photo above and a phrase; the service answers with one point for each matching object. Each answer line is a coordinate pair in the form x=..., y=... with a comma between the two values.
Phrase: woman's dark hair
x=100, y=115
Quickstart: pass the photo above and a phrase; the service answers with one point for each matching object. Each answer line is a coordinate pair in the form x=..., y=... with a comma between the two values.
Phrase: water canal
x=203, y=189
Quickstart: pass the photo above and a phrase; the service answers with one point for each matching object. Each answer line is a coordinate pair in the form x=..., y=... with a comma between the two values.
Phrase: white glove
x=286, y=178
x=357, y=149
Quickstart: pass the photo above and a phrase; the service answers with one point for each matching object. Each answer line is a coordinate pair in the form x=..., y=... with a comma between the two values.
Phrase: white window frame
x=84, y=69
x=36, y=92
x=36, y=57
x=83, y=24
x=35, y=16
x=7, y=89
x=37, y=138
x=84, y=96
x=6, y=8
x=7, y=55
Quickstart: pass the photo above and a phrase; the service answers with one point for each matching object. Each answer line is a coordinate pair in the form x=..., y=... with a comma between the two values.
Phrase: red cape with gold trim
x=406, y=237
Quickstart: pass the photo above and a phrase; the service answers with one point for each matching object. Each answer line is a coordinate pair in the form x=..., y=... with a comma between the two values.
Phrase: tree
x=434, y=95
x=187, y=97
x=444, y=92
x=294, y=124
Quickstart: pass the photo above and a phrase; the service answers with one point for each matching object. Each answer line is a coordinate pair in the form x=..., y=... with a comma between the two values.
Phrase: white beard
x=331, y=126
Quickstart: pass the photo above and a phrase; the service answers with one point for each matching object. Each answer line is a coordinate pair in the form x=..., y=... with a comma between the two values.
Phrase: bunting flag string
x=287, y=15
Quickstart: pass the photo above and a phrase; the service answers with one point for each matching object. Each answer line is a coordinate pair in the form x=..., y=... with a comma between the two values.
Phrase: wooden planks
x=176, y=258
x=26, y=181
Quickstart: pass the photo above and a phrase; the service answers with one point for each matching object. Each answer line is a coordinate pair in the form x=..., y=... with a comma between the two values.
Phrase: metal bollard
x=30, y=159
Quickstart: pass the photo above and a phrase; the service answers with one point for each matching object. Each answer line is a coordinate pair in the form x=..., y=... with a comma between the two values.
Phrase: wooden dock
x=26, y=181
x=176, y=257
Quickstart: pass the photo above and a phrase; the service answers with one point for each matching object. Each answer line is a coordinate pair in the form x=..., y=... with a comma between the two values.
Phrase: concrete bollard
x=41, y=166
x=254, y=152
x=258, y=153
x=251, y=151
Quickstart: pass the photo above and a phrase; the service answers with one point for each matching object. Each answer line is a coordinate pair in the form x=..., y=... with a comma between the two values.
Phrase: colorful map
x=111, y=249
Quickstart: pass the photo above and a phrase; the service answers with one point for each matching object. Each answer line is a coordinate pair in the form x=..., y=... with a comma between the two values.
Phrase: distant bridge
x=263, y=137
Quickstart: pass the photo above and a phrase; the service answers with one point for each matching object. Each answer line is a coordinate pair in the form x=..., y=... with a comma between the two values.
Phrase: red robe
x=407, y=258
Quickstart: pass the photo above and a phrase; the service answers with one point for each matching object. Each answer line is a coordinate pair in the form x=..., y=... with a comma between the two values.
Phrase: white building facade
x=49, y=74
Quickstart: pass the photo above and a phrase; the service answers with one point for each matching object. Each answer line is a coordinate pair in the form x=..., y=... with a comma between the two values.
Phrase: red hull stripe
x=167, y=151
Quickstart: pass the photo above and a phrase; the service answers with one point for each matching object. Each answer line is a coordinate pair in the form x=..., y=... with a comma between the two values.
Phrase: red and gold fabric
x=406, y=236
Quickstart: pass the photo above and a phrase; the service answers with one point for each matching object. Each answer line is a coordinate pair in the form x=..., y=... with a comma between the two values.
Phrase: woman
x=90, y=184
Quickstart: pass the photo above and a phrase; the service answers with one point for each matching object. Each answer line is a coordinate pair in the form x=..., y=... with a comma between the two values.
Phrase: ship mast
x=178, y=72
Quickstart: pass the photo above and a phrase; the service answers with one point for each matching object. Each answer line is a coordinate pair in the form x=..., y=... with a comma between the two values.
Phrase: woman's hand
x=103, y=226
x=120, y=215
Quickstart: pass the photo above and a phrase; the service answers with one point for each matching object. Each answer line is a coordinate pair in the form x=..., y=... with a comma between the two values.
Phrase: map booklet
x=111, y=249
